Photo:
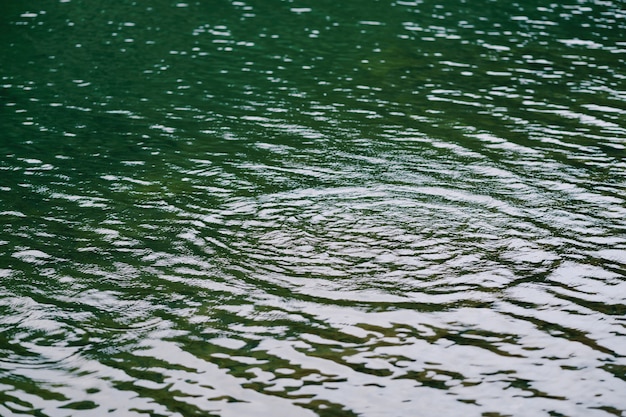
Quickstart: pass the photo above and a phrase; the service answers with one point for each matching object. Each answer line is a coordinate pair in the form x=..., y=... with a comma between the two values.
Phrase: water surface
x=379, y=208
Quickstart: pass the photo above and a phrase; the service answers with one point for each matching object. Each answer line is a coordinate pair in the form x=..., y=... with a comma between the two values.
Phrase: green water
x=288, y=208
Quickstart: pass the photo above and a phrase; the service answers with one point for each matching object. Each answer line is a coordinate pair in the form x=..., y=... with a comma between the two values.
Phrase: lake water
x=313, y=208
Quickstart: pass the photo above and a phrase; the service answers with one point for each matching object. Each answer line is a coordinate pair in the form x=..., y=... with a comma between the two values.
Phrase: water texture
x=323, y=208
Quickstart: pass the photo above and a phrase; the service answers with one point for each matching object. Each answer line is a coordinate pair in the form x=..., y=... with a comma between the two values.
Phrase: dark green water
x=322, y=208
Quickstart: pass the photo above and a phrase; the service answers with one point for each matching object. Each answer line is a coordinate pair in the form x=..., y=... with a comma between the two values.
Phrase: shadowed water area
x=312, y=208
